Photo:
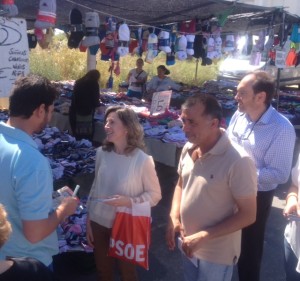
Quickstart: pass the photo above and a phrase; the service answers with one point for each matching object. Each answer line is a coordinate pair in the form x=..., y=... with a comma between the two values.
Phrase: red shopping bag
x=130, y=238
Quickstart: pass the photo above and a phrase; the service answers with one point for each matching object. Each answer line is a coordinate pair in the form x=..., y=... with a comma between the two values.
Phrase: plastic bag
x=130, y=238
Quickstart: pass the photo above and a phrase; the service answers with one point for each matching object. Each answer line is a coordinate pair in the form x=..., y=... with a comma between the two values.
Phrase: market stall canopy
x=156, y=13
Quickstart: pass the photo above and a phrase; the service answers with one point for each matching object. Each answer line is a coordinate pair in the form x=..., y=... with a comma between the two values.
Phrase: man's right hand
x=174, y=226
x=69, y=205
x=37, y=230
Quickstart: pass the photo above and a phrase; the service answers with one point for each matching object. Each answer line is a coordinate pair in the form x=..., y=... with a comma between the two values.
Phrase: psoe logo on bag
x=131, y=252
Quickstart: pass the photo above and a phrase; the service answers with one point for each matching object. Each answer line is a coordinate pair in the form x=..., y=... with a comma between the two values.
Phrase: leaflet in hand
x=95, y=199
x=60, y=194
x=193, y=260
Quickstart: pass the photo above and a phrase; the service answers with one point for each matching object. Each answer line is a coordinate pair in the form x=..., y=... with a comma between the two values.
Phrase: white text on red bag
x=130, y=238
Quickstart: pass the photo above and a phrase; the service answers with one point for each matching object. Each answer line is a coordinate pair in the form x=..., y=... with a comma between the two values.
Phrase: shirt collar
x=219, y=148
x=17, y=134
x=265, y=118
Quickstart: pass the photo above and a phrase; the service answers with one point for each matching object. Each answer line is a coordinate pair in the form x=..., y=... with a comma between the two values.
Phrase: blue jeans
x=206, y=271
x=290, y=263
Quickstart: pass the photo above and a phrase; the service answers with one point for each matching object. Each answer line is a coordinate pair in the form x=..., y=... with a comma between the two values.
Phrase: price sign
x=14, y=50
x=160, y=102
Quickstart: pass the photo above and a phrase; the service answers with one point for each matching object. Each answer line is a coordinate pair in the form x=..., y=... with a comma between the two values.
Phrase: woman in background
x=125, y=173
x=85, y=100
x=136, y=79
x=161, y=82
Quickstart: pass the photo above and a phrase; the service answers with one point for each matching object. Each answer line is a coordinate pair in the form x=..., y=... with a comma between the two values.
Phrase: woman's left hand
x=119, y=201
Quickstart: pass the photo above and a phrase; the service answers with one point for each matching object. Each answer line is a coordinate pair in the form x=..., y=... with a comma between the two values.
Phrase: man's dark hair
x=264, y=83
x=30, y=92
x=211, y=105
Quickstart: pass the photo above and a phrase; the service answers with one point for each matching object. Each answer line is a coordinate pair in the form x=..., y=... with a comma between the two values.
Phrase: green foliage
x=58, y=62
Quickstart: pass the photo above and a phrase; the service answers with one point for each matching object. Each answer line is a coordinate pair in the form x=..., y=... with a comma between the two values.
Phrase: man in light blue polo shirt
x=26, y=177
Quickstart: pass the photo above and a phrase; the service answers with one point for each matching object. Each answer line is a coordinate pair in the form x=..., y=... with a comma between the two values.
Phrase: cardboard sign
x=14, y=50
x=160, y=102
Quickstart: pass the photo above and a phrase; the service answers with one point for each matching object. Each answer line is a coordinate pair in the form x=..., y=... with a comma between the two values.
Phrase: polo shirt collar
x=17, y=134
x=221, y=146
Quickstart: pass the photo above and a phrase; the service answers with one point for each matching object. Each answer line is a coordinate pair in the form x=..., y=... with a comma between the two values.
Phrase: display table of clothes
x=289, y=104
x=163, y=138
x=68, y=157
x=160, y=141
x=163, y=142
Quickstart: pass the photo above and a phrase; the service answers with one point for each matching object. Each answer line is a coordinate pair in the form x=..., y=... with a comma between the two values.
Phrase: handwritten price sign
x=14, y=59
x=160, y=102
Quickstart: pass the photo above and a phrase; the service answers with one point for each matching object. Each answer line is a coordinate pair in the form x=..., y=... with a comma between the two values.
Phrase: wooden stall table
x=60, y=121
x=165, y=153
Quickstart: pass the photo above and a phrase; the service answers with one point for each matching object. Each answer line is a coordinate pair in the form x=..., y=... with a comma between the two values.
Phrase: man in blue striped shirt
x=269, y=138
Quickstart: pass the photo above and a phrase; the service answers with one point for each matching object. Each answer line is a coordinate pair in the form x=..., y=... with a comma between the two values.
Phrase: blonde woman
x=14, y=269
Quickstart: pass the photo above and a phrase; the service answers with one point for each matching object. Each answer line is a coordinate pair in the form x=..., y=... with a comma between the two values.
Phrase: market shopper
x=161, y=82
x=14, y=269
x=137, y=79
x=269, y=139
x=85, y=100
x=125, y=173
x=215, y=196
x=26, y=177
x=292, y=230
